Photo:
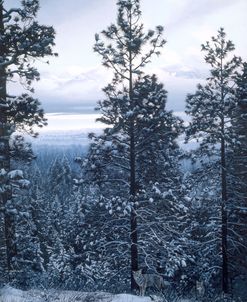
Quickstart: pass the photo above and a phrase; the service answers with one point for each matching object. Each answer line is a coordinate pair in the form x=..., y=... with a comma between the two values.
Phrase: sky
x=71, y=83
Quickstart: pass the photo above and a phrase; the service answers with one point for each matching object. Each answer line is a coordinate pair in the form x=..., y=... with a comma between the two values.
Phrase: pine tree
x=22, y=40
x=108, y=164
x=211, y=109
x=140, y=129
x=29, y=258
x=63, y=219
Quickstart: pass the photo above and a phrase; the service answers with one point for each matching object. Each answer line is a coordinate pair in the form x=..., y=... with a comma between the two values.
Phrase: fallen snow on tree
x=15, y=174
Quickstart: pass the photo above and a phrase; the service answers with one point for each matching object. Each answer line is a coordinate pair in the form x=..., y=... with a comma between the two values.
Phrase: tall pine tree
x=156, y=172
x=211, y=108
x=139, y=128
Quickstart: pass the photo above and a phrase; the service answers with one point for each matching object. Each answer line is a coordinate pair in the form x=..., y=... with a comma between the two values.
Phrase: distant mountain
x=69, y=138
x=63, y=138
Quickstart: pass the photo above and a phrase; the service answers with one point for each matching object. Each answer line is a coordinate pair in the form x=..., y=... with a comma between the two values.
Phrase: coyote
x=200, y=289
x=148, y=280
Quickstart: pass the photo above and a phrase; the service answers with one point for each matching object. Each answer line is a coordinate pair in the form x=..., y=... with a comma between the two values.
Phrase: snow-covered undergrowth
x=9, y=294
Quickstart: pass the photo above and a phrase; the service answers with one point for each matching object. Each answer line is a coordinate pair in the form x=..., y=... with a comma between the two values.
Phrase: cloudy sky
x=71, y=84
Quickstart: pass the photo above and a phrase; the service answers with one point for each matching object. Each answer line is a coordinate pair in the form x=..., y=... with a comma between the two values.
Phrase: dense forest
x=81, y=218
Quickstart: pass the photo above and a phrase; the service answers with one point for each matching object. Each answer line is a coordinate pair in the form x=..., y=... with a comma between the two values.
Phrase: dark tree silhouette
x=22, y=40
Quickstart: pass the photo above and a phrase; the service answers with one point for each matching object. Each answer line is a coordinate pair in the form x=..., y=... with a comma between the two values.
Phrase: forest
x=135, y=198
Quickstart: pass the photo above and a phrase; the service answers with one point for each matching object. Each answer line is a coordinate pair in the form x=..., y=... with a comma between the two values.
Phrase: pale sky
x=72, y=83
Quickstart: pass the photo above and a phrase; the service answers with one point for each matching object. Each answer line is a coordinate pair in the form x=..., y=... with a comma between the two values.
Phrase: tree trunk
x=7, y=247
x=3, y=147
x=224, y=227
x=133, y=217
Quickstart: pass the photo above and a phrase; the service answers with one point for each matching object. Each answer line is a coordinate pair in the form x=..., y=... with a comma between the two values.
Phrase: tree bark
x=224, y=218
x=3, y=147
x=224, y=226
x=133, y=216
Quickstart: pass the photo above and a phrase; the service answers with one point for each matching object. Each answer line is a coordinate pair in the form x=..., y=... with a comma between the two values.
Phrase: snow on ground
x=130, y=298
x=9, y=294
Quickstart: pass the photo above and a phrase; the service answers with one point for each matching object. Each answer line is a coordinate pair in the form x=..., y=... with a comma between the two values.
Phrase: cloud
x=78, y=91
x=73, y=90
x=59, y=121
x=192, y=10
x=186, y=72
x=72, y=83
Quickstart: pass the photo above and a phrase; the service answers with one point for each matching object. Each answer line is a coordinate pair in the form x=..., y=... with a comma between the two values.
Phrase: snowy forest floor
x=9, y=294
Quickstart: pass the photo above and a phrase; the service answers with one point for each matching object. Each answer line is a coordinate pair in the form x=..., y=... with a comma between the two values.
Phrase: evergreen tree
x=211, y=108
x=22, y=40
x=122, y=161
x=29, y=261
x=63, y=218
x=96, y=246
